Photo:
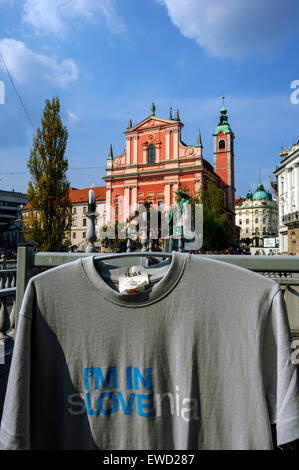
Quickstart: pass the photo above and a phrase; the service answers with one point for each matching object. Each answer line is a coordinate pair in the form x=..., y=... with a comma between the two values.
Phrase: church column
x=135, y=150
x=175, y=144
x=128, y=142
x=167, y=146
x=126, y=203
x=108, y=204
x=167, y=195
x=134, y=198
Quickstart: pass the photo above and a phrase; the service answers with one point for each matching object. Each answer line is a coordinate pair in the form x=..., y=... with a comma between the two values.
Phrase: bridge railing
x=283, y=269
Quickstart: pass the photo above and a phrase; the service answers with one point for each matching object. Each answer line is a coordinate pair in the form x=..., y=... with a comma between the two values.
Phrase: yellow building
x=79, y=199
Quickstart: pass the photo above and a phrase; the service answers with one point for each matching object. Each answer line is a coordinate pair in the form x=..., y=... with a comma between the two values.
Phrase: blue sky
x=108, y=60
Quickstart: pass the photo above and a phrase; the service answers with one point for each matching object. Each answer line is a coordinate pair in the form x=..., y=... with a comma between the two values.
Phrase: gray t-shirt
x=200, y=360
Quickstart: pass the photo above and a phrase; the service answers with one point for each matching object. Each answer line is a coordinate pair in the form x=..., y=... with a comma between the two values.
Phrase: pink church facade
x=156, y=163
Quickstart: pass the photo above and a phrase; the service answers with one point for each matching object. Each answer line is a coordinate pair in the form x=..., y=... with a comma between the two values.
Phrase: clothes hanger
x=147, y=254
x=135, y=254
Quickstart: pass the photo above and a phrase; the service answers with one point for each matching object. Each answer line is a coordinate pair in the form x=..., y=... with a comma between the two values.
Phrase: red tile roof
x=26, y=207
x=239, y=201
x=81, y=195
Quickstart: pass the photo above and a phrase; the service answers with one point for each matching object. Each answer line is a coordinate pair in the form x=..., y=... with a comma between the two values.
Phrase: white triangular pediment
x=151, y=121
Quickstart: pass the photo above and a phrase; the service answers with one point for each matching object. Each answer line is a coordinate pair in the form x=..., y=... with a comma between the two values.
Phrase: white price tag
x=132, y=279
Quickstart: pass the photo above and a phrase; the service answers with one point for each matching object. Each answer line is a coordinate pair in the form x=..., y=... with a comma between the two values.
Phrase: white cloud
x=72, y=119
x=52, y=16
x=26, y=65
x=236, y=28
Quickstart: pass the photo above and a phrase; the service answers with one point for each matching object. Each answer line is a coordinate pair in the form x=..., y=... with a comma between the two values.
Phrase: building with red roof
x=79, y=200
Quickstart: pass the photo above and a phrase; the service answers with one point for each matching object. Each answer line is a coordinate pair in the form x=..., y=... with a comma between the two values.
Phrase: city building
x=79, y=199
x=287, y=173
x=156, y=162
x=11, y=203
x=257, y=216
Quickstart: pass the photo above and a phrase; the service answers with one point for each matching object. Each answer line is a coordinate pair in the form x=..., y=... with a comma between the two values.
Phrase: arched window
x=221, y=144
x=151, y=154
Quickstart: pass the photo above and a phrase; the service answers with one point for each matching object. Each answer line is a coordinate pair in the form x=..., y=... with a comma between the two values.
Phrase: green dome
x=260, y=193
x=249, y=195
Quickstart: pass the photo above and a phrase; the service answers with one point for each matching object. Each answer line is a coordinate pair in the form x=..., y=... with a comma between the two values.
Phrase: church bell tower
x=224, y=155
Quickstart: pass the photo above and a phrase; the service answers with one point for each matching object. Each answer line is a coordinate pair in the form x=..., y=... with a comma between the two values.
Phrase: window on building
x=247, y=221
x=247, y=212
x=264, y=230
x=74, y=223
x=256, y=220
x=256, y=211
x=222, y=144
x=264, y=220
x=74, y=234
x=256, y=230
x=84, y=210
x=247, y=230
x=240, y=222
x=74, y=210
x=84, y=223
x=151, y=152
x=84, y=234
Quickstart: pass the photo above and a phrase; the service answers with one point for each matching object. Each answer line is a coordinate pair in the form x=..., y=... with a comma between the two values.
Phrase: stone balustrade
x=8, y=278
x=7, y=312
x=8, y=264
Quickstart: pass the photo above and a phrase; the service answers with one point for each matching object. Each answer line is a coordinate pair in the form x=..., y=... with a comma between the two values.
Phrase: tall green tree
x=217, y=232
x=48, y=225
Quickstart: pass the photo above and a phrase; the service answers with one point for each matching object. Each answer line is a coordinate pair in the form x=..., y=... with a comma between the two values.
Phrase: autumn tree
x=48, y=224
x=217, y=230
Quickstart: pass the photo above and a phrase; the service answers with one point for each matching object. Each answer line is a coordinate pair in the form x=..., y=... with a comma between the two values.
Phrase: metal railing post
x=91, y=214
x=25, y=270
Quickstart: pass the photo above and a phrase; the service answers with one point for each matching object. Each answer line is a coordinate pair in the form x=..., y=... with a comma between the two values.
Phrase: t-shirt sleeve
x=281, y=372
x=15, y=423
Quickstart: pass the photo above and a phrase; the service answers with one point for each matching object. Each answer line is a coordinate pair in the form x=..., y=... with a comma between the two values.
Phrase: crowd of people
x=231, y=251
x=7, y=253
x=262, y=252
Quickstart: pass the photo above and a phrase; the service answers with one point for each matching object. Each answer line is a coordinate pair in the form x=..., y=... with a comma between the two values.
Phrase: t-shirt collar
x=171, y=275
